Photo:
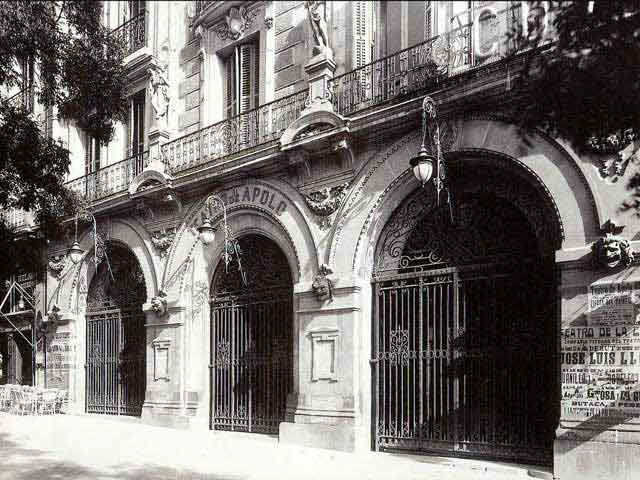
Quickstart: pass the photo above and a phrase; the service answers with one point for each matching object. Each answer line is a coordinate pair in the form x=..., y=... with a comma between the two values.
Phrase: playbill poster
x=601, y=361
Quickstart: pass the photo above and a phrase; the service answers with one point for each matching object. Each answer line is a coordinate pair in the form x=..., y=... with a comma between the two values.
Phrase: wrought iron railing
x=25, y=99
x=233, y=135
x=481, y=37
x=16, y=218
x=133, y=32
x=112, y=179
x=201, y=5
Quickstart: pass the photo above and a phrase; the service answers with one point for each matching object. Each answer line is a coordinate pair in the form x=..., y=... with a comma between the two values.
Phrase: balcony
x=452, y=60
x=133, y=33
x=112, y=179
x=17, y=219
x=233, y=136
x=202, y=5
x=480, y=39
x=24, y=99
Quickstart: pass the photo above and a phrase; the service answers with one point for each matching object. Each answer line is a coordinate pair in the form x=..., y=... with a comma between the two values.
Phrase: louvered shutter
x=428, y=21
x=248, y=76
x=87, y=154
x=362, y=33
x=230, y=86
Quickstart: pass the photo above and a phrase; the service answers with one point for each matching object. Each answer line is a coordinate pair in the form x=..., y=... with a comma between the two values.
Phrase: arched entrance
x=116, y=337
x=251, y=339
x=464, y=340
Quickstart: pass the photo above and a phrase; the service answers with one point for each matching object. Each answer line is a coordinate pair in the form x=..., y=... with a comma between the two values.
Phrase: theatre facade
x=282, y=271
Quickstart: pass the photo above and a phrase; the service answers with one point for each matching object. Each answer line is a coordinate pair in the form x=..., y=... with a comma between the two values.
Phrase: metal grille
x=464, y=357
x=251, y=342
x=115, y=369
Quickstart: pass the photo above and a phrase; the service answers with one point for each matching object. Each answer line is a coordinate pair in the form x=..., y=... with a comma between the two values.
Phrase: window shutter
x=230, y=90
x=362, y=33
x=428, y=22
x=248, y=72
x=87, y=154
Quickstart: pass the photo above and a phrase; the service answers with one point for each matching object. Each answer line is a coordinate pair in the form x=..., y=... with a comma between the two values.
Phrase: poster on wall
x=600, y=362
x=60, y=360
x=613, y=304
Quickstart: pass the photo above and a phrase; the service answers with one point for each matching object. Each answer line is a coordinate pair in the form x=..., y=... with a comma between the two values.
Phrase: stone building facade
x=340, y=304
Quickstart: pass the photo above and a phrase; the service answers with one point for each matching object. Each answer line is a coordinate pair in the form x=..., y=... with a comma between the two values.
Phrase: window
x=136, y=131
x=135, y=8
x=241, y=83
x=27, y=65
x=136, y=125
x=91, y=154
x=364, y=33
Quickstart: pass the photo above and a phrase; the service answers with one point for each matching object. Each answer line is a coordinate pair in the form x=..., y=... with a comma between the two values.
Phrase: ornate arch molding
x=288, y=227
x=553, y=172
x=488, y=181
x=73, y=290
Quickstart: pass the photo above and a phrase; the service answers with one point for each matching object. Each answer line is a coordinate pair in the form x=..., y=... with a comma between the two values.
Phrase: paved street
x=82, y=447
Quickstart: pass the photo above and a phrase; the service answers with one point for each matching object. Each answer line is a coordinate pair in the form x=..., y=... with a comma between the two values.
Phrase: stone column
x=164, y=403
x=322, y=411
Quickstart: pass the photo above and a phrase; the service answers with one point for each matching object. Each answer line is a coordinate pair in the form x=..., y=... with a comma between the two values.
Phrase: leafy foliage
x=59, y=54
x=587, y=84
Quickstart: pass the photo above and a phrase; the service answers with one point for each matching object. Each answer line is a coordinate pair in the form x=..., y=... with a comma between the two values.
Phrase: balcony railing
x=201, y=5
x=112, y=179
x=481, y=38
x=16, y=218
x=133, y=32
x=25, y=99
x=233, y=135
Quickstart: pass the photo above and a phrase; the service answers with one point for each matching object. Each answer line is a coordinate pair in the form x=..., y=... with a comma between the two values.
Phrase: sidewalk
x=94, y=447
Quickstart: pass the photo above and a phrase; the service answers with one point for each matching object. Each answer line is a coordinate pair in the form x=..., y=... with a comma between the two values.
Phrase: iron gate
x=116, y=337
x=251, y=342
x=463, y=353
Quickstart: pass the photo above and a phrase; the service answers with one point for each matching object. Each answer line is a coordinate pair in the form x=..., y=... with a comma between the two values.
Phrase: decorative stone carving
x=268, y=23
x=318, y=26
x=159, y=304
x=616, y=150
x=611, y=250
x=162, y=241
x=53, y=315
x=159, y=85
x=325, y=202
x=322, y=285
x=57, y=264
x=236, y=23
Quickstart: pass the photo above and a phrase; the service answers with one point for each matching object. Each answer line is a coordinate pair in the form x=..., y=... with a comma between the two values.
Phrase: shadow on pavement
x=19, y=462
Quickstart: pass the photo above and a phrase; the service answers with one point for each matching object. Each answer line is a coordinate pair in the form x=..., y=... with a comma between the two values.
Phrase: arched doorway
x=464, y=324
x=251, y=339
x=116, y=337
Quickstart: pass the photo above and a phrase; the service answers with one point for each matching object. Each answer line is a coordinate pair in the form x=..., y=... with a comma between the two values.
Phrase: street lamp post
x=208, y=232
x=76, y=251
x=430, y=159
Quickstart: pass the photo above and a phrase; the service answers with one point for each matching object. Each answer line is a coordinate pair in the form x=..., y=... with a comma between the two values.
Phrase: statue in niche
x=159, y=91
x=318, y=26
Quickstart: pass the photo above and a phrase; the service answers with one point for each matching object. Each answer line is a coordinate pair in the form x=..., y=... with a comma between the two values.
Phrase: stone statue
x=318, y=26
x=159, y=91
